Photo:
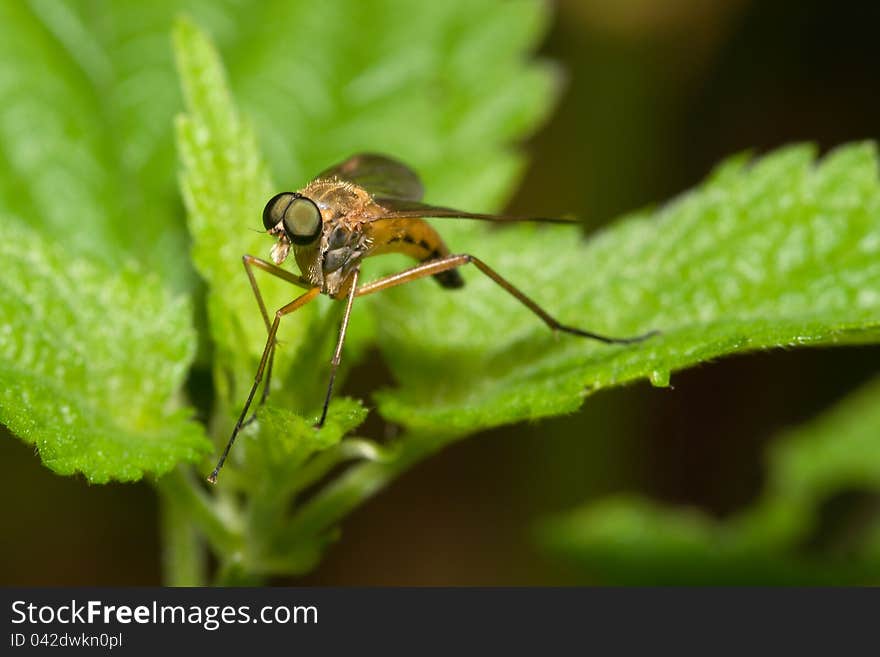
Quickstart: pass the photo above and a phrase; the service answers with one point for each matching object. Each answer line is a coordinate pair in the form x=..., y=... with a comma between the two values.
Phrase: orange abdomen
x=415, y=238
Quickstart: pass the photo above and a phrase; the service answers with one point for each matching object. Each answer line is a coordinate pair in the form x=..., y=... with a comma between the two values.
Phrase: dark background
x=657, y=92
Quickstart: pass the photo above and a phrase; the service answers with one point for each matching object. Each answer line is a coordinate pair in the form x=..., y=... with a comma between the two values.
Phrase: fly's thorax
x=341, y=249
x=336, y=198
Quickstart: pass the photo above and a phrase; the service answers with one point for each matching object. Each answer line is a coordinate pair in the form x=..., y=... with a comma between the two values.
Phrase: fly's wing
x=379, y=175
x=405, y=209
x=398, y=190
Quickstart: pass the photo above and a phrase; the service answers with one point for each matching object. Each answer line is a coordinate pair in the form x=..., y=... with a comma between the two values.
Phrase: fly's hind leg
x=434, y=267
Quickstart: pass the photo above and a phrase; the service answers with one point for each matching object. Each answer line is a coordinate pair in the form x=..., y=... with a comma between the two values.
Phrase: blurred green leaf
x=781, y=539
x=839, y=449
x=91, y=361
x=779, y=252
x=444, y=86
x=87, y=160
x=87, y=92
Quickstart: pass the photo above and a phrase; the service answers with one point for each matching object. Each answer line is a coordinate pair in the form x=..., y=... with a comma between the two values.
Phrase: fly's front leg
x=250, y=262
x=337, y=354
x=433, y=267
x=297, y=303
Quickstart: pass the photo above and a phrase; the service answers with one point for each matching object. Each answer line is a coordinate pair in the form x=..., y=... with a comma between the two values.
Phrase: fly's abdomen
x=450, y=278
x=417, y=239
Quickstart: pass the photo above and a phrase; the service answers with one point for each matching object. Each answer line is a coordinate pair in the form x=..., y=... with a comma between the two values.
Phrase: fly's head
x=295, y=220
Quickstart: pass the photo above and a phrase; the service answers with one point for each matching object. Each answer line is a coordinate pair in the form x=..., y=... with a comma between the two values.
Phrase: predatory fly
x=366, y=206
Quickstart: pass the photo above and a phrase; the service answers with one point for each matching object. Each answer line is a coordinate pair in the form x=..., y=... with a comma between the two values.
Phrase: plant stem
x=218, y=528
x=353, y=488
x=349, y=449
x=183, y=554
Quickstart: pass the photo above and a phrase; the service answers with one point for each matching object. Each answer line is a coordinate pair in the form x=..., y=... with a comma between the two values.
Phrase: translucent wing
x=398, y=190
x=379, y=175
x=405, y=209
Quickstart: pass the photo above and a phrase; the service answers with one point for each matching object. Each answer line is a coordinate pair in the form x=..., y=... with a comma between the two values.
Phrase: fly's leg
x=337, y=354
x=433, y=267
x=249, y=262
x=297, y=303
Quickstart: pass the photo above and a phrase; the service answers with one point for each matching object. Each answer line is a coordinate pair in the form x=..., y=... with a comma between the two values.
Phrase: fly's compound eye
x=276, y=207
x=302, y=221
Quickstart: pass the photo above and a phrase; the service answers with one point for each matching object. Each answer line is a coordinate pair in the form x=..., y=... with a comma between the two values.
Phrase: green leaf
x=781, y=539
x=88, y=91
x=91, y=362
x=779, y=252
x=87, y=154
x=288, y=439
x=839, y=449
x=224, y=182
x=400, y=78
